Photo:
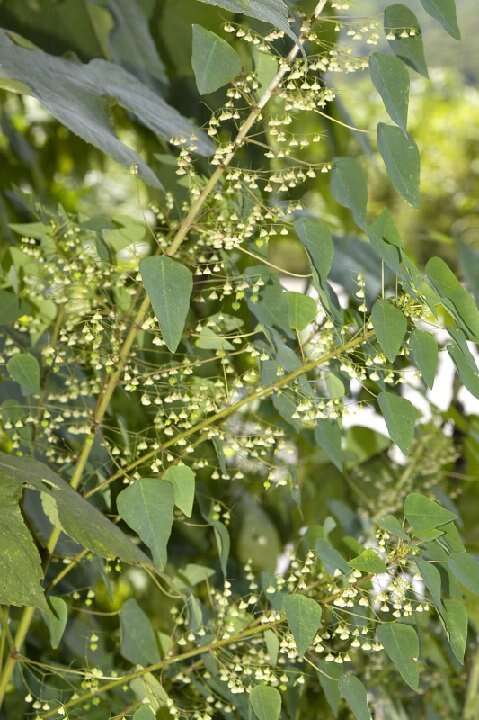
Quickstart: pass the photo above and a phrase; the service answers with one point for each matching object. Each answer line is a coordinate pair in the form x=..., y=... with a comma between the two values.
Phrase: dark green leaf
x=301, y=310
x=183, y=480
x=432, y=579
x=266, y=702
x=425, y=353
x=445, y=12
x=349, y=186
x=56, y=619
x=386, y=241
x=400, y=416
x=169, y=285
x=331, y=558
x=390, y=326
x=138, y=640
x=401, y=644
x=457, y=300
x=223, y=543
x=274, y=12
x=456, y=625
x=328, y=436
x=25, y=370
x=144, y=713
x=9, y=307
x=391, y=80
x=354, y=692
x=403, y=164
x=147, y=507
x=316, y=238
x=304, y=618
x=465, y=568
x=398, y=19
x=215, y=63
x=425, y=514
x=466, y=366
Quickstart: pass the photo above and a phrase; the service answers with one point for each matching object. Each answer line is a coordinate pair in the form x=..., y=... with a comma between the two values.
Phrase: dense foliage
x=226, y=491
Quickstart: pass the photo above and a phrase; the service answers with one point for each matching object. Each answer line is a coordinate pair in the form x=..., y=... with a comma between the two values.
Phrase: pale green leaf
x=456, y=625
x=444, y=11
x=169, y=285
x=147, y=507
x=425, y=353
x=25, y=370
x=349, y=186
x=465, y=568
x=266, y=702
x=425, y=514
x=304, y=618
x=56, y=617
x=317, y=240
x=9, y=307
x=369, y=562
x=144, y=713
x=209, y=340
x=223, y=543
x=390, y=327
x=272, y=646
x=391, y=80
x=457, y=300
x=354, y=692
x=215, y=63
x=403, y=164
x=400, y=416
x=398, y=19
x=401, y=644
x=301, y=310
x=328, y=436
x=137, y=638
x=183, y=480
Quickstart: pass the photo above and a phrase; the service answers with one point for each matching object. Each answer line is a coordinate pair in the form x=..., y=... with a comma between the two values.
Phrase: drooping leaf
x=274, y=12
x=138, y=640
x=354, y=692
x=401, y=644
x=425, y=353
x=301, y=310
x=390, y=327
x=20, y=566
x=368, y=561
x=272, y=645
x=304, y=618
x=9, y=307
x=215, y=63
x=403, y=164
x=317, y=240
x=432, y=579
x=458, y=300
x=330, y=557
x=466, y=366
x=456, y=624
x=400, y=416
x=266, y=702
x=465, y=568
x=425, y=514
x=349, y=186
x=77, y=517
x=169, y=285
x=391, y=80
x=444, y=11
x=223, y=543
x=147, y=507
x=56, y=617
x=25, y=370
x=328, y=436
x=386, y=241
x=400, y=21
x=183, y=480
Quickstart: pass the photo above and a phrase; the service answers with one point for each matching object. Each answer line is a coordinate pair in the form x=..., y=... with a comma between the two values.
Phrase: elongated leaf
x=25, y=370
x=354, y=692
x=444, y=11
x=401, y=644
x=386, y=241
x=456, y=624
x=304, y=618
x=266, y=702
x=393, y=526
x=73, y=93
x=56, y=619
x=458, y=300
x=223, y=543
x=147, y=507
x=317, y=240
x=78, y=518
x=183, y=480
x=328, y=436
x=390, y=326
x=349, y=186
x=9, y=307
x=20, y=566
x=425, y=353
x=465, y=568
x=400, y=416
x=399, y=20
x=274, y=12
x=169, y=285
x=368, y=561
x=138, y=640
x=215, y=63
x=391, y=80
x=424, y=514
x=301, y=310
x=144, y=713
x=466, y=367
x=432, y=580
x=403, y=164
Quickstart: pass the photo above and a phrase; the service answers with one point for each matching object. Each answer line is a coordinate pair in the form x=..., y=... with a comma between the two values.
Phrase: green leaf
x=398, y=18
x=390, y=326
x=317, y=240
x=144, y=713
x=208, y=340
x=272, y=645
x=349, y=186
x=445, y=12
x=75, y=93
x=403, y=164
x=20, y=566
x=465, y=568
x=386, y=241
x=138, y=639
x=424, y=514
x=56, y=617
x=223, y=543
x=368, y=561
x=354, y=692
x=274, y=12
x=456, y=625
x=328, y=436
x=78, y=518
x=432, y=579
x=401, y=644
x=392, y=525
x=169, y=285
x=400, y=416
x=9, y=307
x=466, y=366
x=457, y=300
x=215, y=63
x=330, y=557
x=266, y=702
x=304, y=618
x=147, y=507
x=25, y=370
x=391, y=80
x=183, y=480
x=301, y=310
x=329, y=680
x=425, y=353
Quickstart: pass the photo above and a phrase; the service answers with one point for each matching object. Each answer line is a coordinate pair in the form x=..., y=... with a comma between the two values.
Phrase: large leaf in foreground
x=399, y=19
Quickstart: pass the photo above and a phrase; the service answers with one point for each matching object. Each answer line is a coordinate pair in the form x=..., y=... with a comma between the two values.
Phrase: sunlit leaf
x=266, y=702
x=390, y=327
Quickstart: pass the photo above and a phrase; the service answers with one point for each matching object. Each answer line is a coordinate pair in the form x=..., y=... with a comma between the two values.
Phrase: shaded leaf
x=400, y=416
x=398, y=19
x=328, y=436
x=401, y=644
x=391, y=80
x=403, y=164
x=425, y=514
x=390, y=326
x=457, y=300
x=354, y=692
x=432, y=580
x=274, y=12
x=215, y=63
x=304, y=619
x=266, y=702
x=223, y=543
x=425, y=353
x=137, y=637
x=56, y=619
x=386, y=241
x=349, y=186
x=456, y=624
x=444, y=11
x=25, y=370
x=183, y=480
x=465, y=568
x=317, y=240
x=9, y=307
x=466, y=366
